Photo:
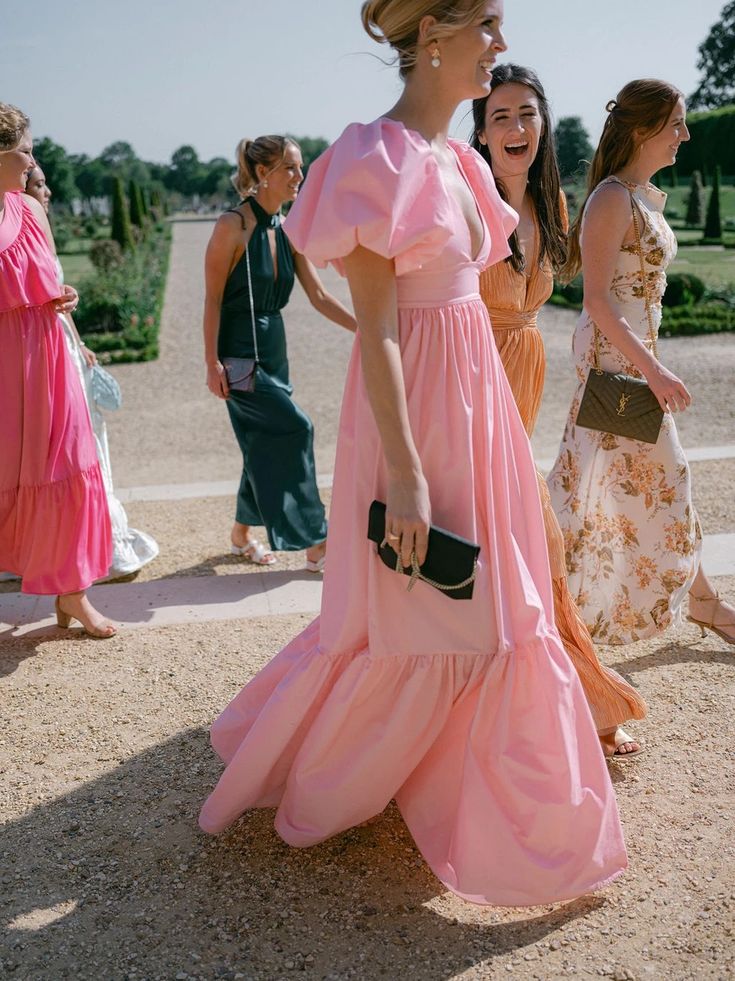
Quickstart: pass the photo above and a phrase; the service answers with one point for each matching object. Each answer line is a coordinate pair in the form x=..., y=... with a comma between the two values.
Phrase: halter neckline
x=264, y=218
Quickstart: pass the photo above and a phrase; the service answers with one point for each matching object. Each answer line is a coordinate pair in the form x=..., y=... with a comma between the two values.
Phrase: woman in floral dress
x=632, y=538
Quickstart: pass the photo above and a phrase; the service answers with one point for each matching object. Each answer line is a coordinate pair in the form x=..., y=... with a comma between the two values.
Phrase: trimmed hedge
x=119, y=309
x=710, y=317
x=712, y=142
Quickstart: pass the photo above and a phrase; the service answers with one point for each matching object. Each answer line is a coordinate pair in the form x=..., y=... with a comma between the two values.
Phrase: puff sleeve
x=377, y=186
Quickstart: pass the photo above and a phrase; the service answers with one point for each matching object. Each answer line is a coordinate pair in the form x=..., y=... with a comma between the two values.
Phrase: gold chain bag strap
x=618, y=403
x=450, y=565
x=241, y=372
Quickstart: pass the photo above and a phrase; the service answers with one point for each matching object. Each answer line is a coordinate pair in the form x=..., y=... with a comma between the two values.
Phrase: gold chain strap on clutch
x=644, y=286
x=417, y=574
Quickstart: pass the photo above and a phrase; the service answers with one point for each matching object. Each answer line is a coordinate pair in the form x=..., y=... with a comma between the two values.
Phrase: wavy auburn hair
x=544, y=181
x=640, y=111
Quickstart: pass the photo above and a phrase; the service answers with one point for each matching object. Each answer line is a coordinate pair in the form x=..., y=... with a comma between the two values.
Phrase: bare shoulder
x=236, y=220
x=227, y=233
x=609, y=202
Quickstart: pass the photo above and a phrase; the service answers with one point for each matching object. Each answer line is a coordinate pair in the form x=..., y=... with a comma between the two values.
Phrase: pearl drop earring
x=264, y=183
x=435, y=59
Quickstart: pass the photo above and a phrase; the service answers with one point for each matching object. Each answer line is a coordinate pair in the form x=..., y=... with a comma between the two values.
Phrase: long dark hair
x=544, y=180
x=640, y=111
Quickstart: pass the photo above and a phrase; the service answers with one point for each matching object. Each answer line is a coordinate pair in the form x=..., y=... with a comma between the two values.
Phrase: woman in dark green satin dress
x=278, y=486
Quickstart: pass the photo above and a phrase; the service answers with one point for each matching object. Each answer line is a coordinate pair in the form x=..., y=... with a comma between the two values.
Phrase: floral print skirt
x=631, y=535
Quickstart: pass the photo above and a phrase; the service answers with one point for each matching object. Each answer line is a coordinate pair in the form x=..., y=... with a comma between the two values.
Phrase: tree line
x=78, y=176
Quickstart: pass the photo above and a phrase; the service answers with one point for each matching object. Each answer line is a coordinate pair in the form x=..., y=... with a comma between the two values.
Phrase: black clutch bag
x=620, y=404
x=451, y=561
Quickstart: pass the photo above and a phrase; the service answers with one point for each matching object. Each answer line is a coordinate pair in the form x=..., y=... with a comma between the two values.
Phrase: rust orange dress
x=513, y=300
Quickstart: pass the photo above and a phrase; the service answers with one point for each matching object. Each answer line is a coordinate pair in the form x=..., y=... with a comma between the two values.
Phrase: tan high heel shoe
x=704, y=625
x=64, y=619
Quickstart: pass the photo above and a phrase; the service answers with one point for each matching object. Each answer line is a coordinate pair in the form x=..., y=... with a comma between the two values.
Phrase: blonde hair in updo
x=396, y=22
x=13, y=124
x=266, y=150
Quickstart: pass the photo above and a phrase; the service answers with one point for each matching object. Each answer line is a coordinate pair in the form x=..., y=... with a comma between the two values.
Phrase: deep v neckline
x=464, y=177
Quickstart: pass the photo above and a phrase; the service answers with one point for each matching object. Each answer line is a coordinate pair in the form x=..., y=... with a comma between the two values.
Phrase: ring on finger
x=393, y=538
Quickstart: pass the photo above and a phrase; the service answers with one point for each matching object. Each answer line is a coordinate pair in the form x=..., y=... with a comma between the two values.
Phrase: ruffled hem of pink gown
x=504, y=803
x=57, y=536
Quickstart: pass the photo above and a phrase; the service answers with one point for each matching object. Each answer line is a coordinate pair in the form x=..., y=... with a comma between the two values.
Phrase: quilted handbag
x=622, y=405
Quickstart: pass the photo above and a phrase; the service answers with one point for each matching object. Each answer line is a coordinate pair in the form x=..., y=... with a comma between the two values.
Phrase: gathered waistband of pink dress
x=428, y=303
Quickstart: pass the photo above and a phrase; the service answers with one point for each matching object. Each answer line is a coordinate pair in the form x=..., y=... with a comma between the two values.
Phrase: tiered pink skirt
x=54, y=521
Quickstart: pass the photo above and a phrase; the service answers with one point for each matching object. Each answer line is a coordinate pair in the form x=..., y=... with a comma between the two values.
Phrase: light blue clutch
x=105, y=389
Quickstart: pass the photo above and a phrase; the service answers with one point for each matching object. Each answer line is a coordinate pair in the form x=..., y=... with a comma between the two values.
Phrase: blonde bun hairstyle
x=396, y=23
x=267, y=151
x=13, y=124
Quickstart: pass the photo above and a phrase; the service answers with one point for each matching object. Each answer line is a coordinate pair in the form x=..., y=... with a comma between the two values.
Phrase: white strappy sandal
x=255, y=552
x=316, y=566
x=614, y=740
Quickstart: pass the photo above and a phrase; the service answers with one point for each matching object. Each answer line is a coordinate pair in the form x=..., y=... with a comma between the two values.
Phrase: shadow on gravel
x=114, y=880
x=677, y=653
x=213, y=565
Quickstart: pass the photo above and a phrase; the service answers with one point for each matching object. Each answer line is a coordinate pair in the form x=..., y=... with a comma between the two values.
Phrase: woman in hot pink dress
x=54, y=523
x=467, y=712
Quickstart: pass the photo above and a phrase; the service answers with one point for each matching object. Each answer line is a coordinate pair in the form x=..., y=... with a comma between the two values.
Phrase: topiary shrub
x=713, y=224
x=121, y=229
x=695, y=202
x=137, y=208
x=683, y=290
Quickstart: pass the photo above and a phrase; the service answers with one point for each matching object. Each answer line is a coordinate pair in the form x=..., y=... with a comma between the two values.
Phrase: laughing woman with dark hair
x=513, y=132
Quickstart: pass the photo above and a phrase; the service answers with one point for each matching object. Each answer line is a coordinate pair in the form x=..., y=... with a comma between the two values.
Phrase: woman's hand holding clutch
x=408, y=515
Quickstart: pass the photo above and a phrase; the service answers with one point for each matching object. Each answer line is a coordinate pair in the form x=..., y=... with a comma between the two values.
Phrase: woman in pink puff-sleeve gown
x=54, y=522
x=467, y=712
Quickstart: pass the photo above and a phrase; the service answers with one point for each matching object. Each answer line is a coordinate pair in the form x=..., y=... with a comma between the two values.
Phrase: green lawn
x=713, y=264
x=76, y=267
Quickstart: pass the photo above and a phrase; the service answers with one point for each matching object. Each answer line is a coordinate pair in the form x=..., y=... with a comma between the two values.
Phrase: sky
x=162, y=73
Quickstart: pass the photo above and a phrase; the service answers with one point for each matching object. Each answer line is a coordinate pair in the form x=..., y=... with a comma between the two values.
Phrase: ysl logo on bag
x=622, y=404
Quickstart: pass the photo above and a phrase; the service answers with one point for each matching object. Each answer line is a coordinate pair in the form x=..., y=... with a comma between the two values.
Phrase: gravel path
x=104, y=759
